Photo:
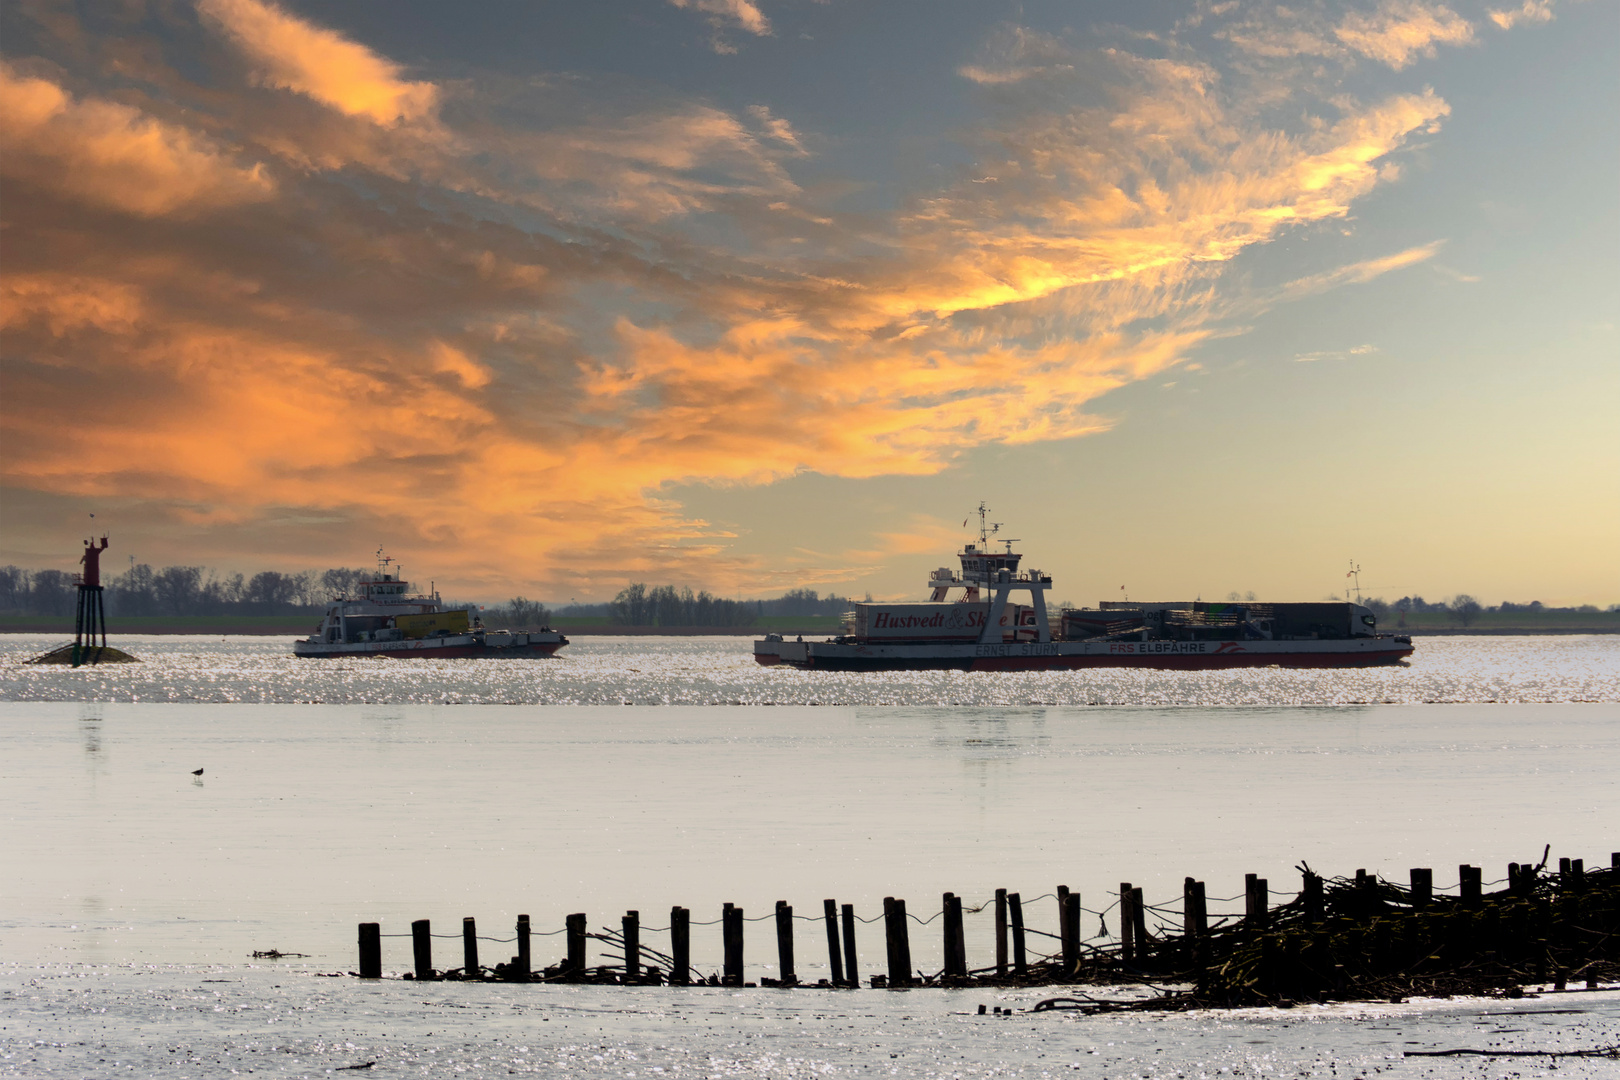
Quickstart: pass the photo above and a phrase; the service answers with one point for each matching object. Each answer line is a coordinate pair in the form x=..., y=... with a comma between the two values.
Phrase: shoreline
x=250, y=630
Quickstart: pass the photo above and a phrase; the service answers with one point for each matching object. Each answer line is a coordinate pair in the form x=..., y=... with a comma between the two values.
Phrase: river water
x=650, y=772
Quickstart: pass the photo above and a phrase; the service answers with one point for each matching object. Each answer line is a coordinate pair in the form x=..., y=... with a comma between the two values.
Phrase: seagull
x=196, y=772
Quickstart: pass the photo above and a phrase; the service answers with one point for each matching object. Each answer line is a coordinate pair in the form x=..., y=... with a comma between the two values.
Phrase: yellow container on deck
x=421, y=626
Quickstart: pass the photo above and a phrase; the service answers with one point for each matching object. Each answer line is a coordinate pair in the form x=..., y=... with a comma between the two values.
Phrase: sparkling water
x=133, y=893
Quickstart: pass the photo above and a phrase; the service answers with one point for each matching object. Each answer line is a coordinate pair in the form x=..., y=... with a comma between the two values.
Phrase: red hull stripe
x=1205, y=662
x=453, y=652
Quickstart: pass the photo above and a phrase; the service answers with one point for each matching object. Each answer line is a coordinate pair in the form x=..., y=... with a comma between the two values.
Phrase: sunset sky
x=750, y=295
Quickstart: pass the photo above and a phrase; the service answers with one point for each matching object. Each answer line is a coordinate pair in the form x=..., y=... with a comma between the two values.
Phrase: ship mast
x=996, y=573
x=988, y=528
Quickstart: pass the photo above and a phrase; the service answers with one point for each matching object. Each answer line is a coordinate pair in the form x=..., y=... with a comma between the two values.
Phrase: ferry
x=983, y=629
x=384, y=619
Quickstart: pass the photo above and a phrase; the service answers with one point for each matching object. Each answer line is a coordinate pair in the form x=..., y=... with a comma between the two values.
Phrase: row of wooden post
x=1135, y=941
x=840, y=946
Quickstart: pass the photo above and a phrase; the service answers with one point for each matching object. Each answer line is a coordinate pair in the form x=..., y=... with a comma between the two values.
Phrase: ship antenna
x=984, y=534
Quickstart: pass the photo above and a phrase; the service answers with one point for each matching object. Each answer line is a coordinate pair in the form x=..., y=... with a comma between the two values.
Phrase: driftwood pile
x=1365, y=938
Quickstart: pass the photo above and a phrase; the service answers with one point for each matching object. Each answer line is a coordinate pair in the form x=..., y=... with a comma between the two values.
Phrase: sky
x=750, y=295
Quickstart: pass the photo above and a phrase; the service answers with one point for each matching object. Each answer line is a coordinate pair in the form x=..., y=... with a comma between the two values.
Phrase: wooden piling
x=835, y=967
x=852, y=976
x=1470, y=885
x=422, y=948
x=905, y=943
x=898, y=936
x=524, y=958
x=1063, y=911
x=891, y=942
x=784, y=942
x=1195, y=920
x=680, y=936
x=1256, y=901
x=469, y=948
x=1144, y=943
x=1071, y=934
x=576, y=944
x=725, y=943
x=1015, y=911
x=1522, y=879
x=1422, y=892
x=1311, y=896
x=370, y=950
x=731, y=925
x=961, y=938
x=1127, y=925
x=955, y=945
x=630, y=930
x=1001, y=932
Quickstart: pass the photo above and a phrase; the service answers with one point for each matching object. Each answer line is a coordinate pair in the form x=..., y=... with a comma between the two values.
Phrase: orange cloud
x=742, y=13
x=112, y=155
x=64, y=304
x=1531, y=11
x=1359, y=272
x=1400, y=30
x=675, y=307
x=292, y=54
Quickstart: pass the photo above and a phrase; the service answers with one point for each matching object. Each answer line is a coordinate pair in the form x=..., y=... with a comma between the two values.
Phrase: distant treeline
x=1466, y=610
x=665, y=605
x=178, y=590
x=1463, y=608
x=194, y=590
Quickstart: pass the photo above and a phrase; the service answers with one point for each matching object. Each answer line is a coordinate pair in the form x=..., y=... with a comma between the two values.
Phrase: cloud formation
x=315, y=303
x=1400, y=31
x=112, y=155
x=742, y=14
x=1531, y=11
x=1395, y=33
x=292, y=54
x=1360, y=272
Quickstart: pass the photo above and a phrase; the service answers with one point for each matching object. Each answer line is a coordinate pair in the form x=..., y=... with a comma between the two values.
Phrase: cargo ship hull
x=1068, y=655
x=459, y=646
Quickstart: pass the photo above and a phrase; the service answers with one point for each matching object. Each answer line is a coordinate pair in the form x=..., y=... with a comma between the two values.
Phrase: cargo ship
x=983, y=629
x=384, y=619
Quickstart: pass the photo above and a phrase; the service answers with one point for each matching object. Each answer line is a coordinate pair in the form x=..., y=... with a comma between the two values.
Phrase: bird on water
x=196, y=772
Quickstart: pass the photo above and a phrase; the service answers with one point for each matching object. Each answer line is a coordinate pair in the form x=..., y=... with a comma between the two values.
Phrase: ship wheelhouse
x=994, y=574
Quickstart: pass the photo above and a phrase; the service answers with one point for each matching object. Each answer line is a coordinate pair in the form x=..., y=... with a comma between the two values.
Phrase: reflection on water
x=91, y=729
x=311, y=818
x=721, y=671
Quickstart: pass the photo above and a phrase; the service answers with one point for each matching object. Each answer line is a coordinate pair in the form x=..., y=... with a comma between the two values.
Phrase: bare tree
x=523, y=613
x=1465, y=608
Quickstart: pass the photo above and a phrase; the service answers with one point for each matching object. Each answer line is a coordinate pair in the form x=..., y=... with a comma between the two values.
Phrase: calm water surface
x=335, y=793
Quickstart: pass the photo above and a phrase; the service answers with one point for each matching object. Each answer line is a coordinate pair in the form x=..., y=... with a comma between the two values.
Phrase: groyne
x=1343, y=938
